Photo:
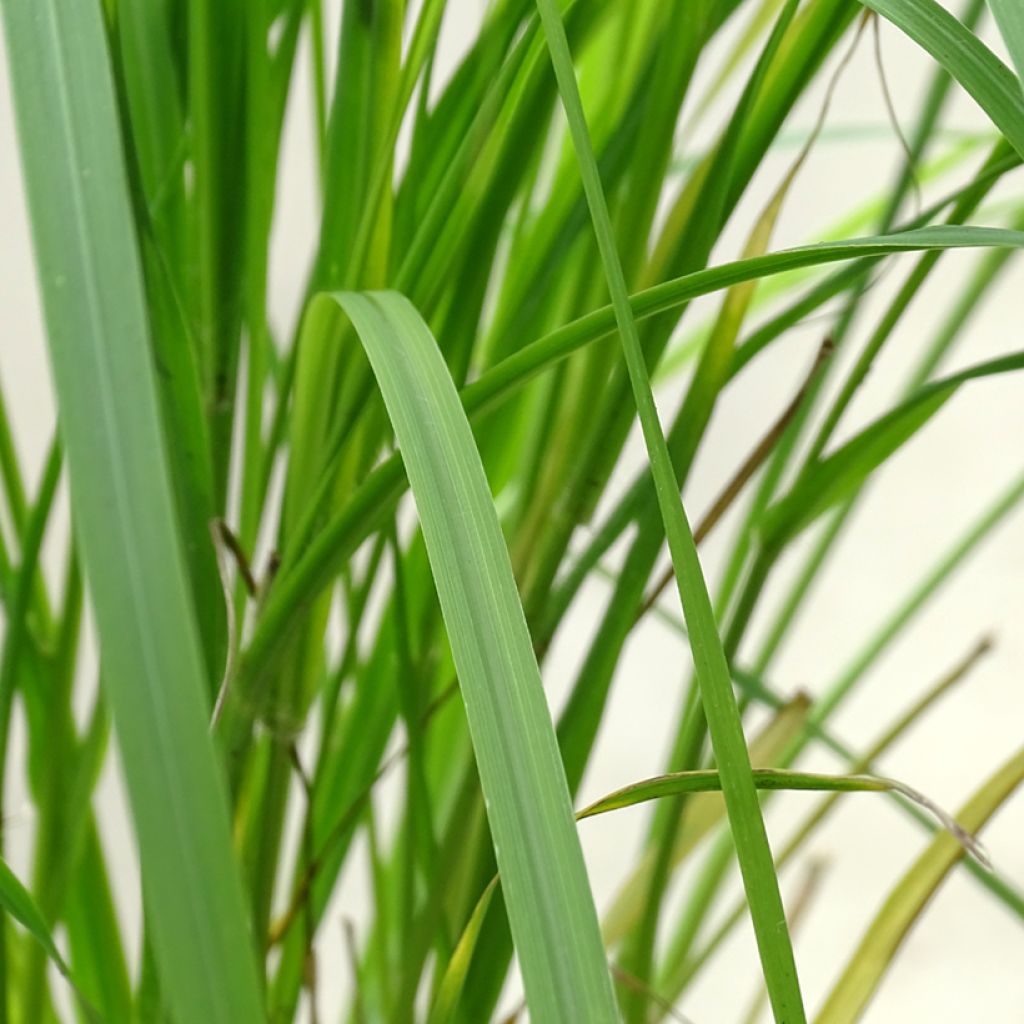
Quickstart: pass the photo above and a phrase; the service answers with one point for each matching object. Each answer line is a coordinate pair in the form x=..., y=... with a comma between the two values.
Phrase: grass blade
x=16, y=635
x=545, y=352
x=348, y=528
x=94, y=942
x=543, y=875
x=772, y=779
x=965, y=57
x=447, y=1001
x=674, y=972
x=707, y=780
x=842, y=474
x=125, y=515
x=909, y=898
x=703, y=813
x=16, y=901
x=709, y=658
x=1009, y=15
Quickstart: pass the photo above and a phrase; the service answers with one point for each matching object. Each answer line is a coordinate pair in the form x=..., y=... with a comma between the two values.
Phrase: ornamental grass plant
x=344, y=589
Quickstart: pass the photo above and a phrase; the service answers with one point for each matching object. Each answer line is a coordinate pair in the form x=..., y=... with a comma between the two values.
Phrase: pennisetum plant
x=332, y=554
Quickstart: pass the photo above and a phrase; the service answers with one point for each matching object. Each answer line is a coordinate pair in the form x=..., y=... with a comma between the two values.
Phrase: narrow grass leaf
x=992, y=84
x=17, y=902
x=1009, y=15
x=710, y=781
x=909, y=898
x=346, y=529
x=94, y=306
x=94, y=942
x=703, y=813
x=712, y=671
x=446, y=1004
x=675, y=973
x=551, y=911
x=774, y=779
x=562, y=342
x=843, y=473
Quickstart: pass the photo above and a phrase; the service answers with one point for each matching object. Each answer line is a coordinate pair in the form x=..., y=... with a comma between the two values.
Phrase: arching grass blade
x=551, y=911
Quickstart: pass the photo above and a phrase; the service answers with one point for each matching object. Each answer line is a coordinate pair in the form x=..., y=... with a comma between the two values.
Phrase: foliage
x=239, y=507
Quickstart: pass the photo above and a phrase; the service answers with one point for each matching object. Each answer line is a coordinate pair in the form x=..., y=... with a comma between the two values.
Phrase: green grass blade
x=162, y=141
x=843, y=473
x=1009, y=15
x=660, y=787
x=774, y=780
x=862, y=218
x=992, y=84
x=703, y=814
x=155, y=117
x=17, y=604
x=15, y=638
x=675, y=973
x=94, y=942
x=17, y=902
x=909, y=898
x=710, y=376
x=10, y=472
x=155, y=143
x=544, y=879
x=926, y=364
x=96, y=324
x=216, y=132
x=318, y=565
x=349, y=527
x=709, y=658
x=545, y=352
x=446, y=1004
x=911, y=604
x=710, y=781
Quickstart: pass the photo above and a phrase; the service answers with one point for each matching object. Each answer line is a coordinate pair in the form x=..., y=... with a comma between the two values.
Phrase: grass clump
x=340, y=548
